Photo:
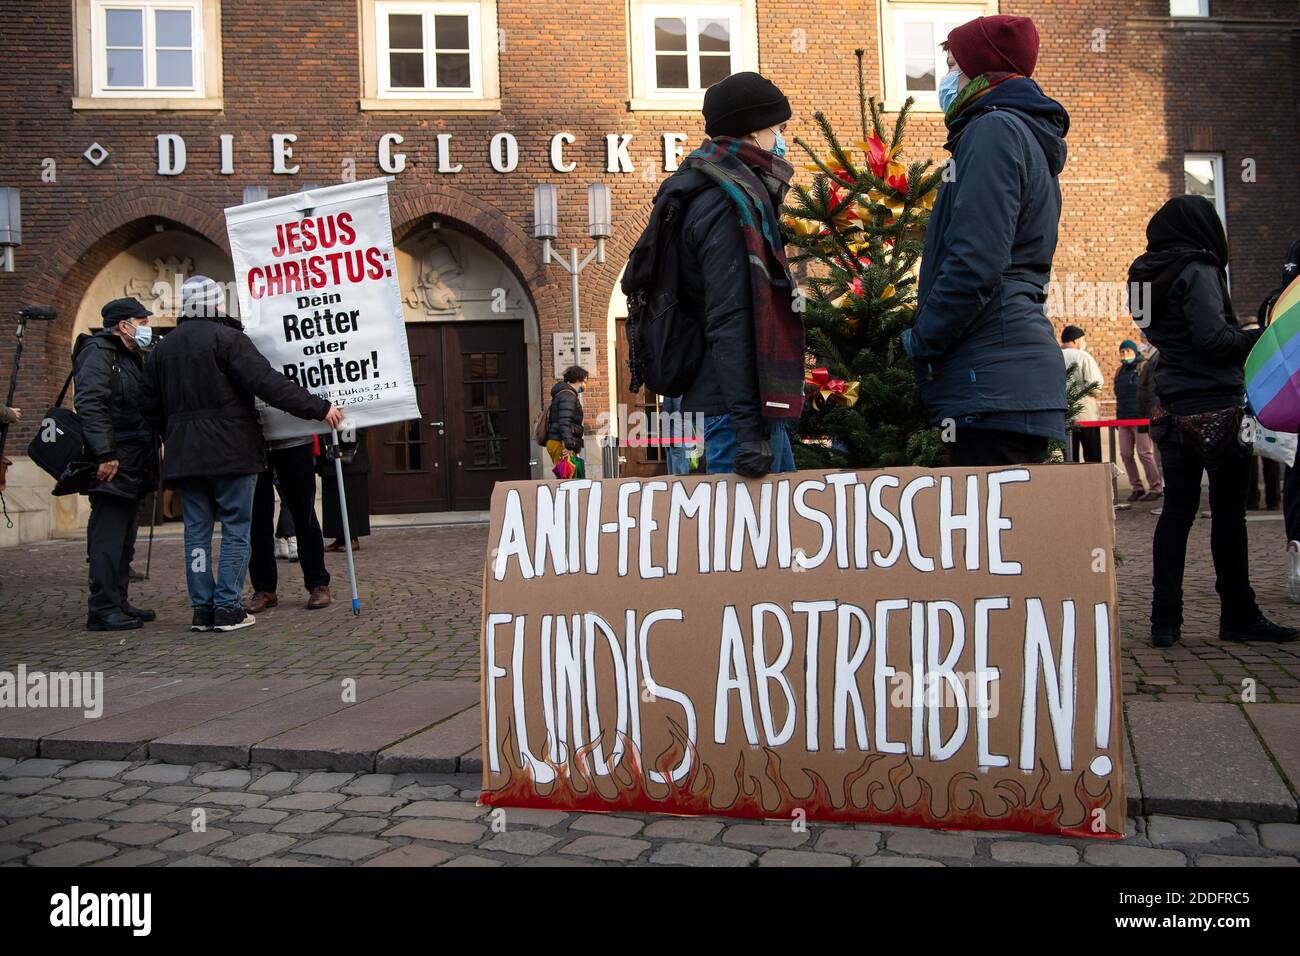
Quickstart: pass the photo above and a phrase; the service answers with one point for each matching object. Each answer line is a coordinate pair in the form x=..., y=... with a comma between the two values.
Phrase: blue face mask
x=948, y=89
x=143, y=336
x=778, y=148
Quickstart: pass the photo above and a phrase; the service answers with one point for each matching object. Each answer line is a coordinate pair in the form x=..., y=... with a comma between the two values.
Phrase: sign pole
x=343, y=514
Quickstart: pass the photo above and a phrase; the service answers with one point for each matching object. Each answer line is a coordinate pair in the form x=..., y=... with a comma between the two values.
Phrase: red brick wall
x=1136, y=107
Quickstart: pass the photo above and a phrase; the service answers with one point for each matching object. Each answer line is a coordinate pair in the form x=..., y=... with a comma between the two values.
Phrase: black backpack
x=665, y=347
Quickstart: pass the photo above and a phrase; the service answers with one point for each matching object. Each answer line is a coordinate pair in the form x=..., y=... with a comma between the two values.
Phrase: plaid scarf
x=975, y=90
x=741, y=169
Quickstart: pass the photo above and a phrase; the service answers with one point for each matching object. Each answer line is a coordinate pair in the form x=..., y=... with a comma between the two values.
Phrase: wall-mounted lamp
x=11, y=226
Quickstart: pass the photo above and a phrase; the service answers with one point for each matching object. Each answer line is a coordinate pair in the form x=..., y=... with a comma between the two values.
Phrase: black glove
x=753, y=459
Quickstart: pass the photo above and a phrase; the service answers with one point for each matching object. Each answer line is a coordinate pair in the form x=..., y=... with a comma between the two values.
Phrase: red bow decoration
x=829, y=389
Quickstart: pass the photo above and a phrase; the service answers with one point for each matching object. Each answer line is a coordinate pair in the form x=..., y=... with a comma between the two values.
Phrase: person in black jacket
x=200, y=384
x=1135, y=440
x=110, y=404
x=983, y=351
x=1178, y=289
x=748, y=388
x=564, y=417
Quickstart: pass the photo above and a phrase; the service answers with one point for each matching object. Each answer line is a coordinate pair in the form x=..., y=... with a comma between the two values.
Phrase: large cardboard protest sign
x=929, y=647
x=319, y=297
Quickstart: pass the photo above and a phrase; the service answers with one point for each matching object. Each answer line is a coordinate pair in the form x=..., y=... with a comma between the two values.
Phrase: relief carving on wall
x=454, y=280
x=159, y=293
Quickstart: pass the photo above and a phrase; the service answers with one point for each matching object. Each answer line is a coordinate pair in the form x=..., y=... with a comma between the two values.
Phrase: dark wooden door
x=408, y=470
x=644, y=457
x=486, y=390
x=472, y=386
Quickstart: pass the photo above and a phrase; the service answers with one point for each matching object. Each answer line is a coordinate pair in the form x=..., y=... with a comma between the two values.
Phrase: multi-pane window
x=691, y=46
x=428, y=49
x=484, y=411
x=919, y=60
x=147, y=48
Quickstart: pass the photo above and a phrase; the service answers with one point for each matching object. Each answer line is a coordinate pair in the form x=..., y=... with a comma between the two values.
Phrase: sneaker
x=1162, y=635
x=1261, y=629
x=1153, y=496
x=202, y=620
x=282, y=549
x=293, y=549
x=1136, y=495
x=232, y=619
x=1293, y=573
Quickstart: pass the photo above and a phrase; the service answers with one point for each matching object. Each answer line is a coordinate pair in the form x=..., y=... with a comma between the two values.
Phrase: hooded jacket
x=564, y=418
x=200, y=384
x=1188, y=309
x=981, y=342
x=110, y=404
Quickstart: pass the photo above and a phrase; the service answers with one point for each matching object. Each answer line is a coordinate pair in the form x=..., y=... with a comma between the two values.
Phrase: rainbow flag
x=1273, y=367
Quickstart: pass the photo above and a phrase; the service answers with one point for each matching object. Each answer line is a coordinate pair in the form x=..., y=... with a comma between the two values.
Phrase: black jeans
x=110, y=546
x=1183, y=467
x=1086, y=443
x=990, y=446
x=295, y=468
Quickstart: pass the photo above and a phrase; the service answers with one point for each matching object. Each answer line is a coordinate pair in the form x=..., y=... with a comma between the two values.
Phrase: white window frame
x=377, y=94
x=149, y=9
x=428, y=11
x=90, y=61
x=1220, y=191
x=1202, y=9
x=644, y=93
x=895, y=13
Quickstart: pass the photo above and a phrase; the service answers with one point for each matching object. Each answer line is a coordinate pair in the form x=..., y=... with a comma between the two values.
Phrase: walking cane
x=337, y=454
x=153, y=517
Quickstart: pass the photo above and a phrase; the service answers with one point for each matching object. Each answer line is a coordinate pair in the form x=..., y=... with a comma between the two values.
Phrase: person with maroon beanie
x=983, y=350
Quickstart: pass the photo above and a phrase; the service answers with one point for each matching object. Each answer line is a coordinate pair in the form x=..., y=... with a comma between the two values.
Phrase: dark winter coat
x=981, y=341
x=201, y=380
x=1202, y=349
x=715, y=290
x=110, y=404
x=564, y=418
x=1128, y=379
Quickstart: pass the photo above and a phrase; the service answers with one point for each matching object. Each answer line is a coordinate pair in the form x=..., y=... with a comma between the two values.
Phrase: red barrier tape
x=1116, y=423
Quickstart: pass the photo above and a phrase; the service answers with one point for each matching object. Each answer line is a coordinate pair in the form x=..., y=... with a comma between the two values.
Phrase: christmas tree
x=860, y=228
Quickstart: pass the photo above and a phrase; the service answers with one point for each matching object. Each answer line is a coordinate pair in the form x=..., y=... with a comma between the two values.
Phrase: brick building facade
x=1151, y=96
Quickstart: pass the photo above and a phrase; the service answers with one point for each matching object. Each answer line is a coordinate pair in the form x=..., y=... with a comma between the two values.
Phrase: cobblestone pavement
x=421, y=590
x=108, y=813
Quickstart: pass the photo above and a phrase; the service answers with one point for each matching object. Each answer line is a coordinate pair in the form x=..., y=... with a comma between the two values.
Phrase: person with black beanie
x=1178, y=292
x=735, y=280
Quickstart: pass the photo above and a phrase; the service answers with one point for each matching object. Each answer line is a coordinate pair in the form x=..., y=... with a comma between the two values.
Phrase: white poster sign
x=319, y=297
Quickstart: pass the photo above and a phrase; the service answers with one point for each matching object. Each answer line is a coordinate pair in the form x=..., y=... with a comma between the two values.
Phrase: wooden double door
x=472, y=386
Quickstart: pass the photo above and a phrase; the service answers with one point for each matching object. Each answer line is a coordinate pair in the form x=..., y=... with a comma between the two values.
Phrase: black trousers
x=1086, y=443
x=1271, y=472
x=294, y=467
x=1291, y=504
x=1183, y=467
x=110, y=546
x=990, y=446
